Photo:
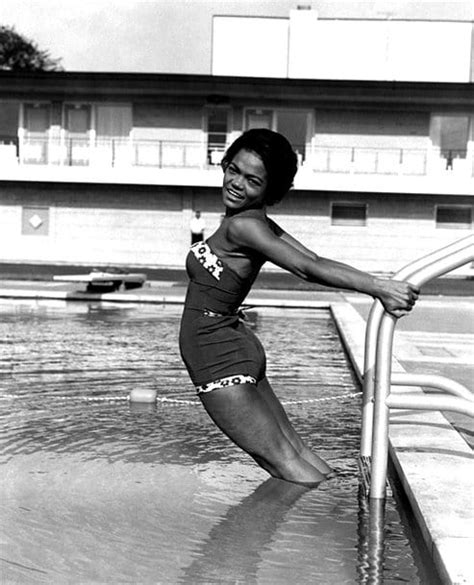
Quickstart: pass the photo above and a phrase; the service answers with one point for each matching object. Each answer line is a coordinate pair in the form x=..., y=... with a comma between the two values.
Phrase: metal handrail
x=457, y=257
x=430, y=403
x=432, y=381
x=373, y=325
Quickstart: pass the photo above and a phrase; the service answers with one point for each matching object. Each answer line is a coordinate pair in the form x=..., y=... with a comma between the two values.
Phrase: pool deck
x=432, y=459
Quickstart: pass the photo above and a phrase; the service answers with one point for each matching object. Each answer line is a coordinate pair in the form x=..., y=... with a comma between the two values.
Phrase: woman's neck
x=248, y=211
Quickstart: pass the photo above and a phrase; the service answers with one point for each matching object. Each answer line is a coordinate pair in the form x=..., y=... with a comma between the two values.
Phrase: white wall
x=379, y=49
x=307, y=47
x=250, y=46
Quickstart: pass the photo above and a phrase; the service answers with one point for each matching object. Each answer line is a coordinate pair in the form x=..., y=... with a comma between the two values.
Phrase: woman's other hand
x=397, y=297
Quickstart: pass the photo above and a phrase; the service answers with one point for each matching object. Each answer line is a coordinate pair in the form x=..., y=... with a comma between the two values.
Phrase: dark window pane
x=454, y=136
x=37, y=118
x=453, y=216
x=78, y=120
x=349, y=214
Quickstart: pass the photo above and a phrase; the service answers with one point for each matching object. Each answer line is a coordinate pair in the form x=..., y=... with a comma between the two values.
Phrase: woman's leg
x=266, y=392
x=245, y=417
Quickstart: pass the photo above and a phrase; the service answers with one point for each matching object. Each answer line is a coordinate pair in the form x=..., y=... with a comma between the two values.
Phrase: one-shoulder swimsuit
x=218, y=349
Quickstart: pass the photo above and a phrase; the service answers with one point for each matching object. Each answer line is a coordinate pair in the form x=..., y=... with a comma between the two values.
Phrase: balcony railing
x=121, y=152
x=115, y=152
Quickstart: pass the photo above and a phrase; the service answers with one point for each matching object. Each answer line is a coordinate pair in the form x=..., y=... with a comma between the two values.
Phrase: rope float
x=151, y=398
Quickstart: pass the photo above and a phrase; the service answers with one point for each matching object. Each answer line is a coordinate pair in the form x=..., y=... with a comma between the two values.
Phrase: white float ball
x=143, y=395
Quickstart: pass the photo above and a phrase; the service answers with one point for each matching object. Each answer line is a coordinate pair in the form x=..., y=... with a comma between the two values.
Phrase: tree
x=18, y=53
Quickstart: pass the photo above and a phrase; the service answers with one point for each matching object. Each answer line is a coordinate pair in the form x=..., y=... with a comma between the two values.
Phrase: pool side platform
x=432, y=460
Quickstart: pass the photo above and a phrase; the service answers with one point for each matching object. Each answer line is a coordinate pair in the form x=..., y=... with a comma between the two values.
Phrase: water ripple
x=159, y=494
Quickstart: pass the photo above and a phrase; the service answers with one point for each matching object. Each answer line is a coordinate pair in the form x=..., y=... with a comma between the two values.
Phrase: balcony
x=112, y=152
x=195, y=163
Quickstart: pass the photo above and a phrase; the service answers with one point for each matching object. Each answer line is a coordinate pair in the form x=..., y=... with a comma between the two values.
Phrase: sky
x=171, y=36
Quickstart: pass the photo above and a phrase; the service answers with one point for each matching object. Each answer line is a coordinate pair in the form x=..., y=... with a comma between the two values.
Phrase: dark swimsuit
x=216, y=346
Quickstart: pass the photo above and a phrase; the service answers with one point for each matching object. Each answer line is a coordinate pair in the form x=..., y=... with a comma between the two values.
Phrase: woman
x=225, y=360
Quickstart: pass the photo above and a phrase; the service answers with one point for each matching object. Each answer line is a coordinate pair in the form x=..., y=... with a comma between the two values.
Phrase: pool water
x=95, y=489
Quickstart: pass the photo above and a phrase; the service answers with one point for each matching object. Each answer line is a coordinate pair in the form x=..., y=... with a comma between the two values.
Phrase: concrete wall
x=92, y=226
x=263, y=54
x=149, y=226
x=308, y=47
x=396, y=50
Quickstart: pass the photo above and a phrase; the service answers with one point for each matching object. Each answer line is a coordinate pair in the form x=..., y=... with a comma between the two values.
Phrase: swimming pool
x=97, y=490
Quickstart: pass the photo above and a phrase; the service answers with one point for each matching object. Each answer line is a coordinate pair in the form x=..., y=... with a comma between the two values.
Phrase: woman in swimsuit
x=225, y=360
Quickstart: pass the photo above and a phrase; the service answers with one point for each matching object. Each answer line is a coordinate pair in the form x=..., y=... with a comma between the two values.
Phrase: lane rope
x=179, y=401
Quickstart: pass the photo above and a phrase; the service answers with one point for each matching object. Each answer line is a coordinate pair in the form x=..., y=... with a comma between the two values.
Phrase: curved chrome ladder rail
x=378, y=376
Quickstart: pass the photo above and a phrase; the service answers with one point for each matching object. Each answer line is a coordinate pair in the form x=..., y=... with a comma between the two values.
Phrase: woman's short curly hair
x=277, y=155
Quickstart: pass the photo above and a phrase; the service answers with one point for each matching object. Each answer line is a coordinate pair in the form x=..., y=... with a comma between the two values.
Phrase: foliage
x=18, y=53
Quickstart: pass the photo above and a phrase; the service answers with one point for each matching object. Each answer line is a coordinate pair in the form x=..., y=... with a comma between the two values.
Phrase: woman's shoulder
x=247, y=219
x=245, y=229
x=243, y=224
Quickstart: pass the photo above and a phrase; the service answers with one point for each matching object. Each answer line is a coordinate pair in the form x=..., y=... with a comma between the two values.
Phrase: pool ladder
x=378, y=376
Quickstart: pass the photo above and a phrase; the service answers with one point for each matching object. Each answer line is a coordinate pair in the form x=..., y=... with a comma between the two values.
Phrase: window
x=454, y=135
x=293, y=124
x=37, y=118
x=349, y=214
x=217, y=129
x=114, y=121
x=36, y=121
x=78, y=119
x=453, y=216
x=450, y=133
x=259, y=119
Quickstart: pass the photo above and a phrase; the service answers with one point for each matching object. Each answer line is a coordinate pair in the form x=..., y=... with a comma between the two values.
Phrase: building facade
x=100, y=169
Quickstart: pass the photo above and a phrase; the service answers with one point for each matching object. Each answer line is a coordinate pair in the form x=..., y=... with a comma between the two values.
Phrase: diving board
x=108, y=280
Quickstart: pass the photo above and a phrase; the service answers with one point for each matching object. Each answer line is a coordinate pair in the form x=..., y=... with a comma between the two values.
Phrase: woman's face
x=245, y=182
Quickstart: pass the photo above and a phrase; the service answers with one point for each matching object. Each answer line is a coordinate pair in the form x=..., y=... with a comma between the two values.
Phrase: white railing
x=389, y=161
x=378, y=377
x=369, y=160
x=119, y=151
x=116, y=152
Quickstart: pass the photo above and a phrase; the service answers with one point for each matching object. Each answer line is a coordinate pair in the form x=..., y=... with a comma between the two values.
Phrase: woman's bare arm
x=289, y=239
x=397, y=297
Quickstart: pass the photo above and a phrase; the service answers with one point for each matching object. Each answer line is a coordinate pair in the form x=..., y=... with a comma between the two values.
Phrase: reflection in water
x=232, y=551
x=371, y=531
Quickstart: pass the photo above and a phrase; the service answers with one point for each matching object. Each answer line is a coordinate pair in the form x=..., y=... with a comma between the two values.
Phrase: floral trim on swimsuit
x=208, y=259
x=227, y=381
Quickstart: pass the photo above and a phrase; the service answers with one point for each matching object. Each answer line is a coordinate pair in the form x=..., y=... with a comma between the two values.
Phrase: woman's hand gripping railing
x=418, y=272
